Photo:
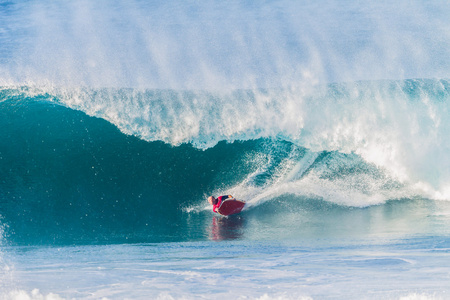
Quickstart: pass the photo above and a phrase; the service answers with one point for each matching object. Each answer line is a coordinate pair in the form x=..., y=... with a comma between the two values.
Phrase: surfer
x=215, y=202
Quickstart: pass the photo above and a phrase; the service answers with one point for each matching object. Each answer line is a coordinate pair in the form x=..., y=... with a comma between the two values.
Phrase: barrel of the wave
x=230, y=207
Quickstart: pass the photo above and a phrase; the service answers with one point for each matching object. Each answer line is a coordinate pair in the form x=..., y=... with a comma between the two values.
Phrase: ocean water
x=119, y=118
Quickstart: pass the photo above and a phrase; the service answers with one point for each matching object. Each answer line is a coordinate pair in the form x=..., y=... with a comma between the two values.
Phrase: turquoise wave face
x=67, y=176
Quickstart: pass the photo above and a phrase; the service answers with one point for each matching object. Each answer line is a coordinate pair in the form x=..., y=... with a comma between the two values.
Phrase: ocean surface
x=118, y=119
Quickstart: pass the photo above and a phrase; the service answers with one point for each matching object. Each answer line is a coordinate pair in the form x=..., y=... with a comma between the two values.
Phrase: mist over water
x=198, y=45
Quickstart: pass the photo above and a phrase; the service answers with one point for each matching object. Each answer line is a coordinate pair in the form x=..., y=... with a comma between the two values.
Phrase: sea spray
x=186, y=45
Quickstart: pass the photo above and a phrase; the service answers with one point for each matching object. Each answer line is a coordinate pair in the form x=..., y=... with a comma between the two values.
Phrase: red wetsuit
x=219, y=201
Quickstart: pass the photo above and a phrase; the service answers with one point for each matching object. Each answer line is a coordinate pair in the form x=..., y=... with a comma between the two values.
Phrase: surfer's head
x=212, y=200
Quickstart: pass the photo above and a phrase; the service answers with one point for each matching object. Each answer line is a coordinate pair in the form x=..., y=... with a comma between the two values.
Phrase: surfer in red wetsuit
x=215, y=202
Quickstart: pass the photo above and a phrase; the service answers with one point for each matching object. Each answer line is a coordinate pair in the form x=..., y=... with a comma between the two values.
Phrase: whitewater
x=119, y=118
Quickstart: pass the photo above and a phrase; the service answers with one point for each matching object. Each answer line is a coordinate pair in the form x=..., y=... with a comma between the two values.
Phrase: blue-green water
x=118, y=120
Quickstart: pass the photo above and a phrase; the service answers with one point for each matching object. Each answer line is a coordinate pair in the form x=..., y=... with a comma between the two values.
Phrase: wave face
x=99, y=165
x=64, y=173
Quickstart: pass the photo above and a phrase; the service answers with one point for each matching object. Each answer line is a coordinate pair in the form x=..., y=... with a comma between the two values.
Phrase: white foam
x=416, y=296
x=33, y=295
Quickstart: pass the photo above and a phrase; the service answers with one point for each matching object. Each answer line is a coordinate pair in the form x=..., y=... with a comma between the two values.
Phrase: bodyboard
x=230, y=207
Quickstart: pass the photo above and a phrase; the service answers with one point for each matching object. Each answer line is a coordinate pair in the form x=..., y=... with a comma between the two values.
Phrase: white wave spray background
x=189, y=44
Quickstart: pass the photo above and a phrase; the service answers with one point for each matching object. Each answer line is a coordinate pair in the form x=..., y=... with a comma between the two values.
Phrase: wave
x=397, y=125
x=98, y=163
